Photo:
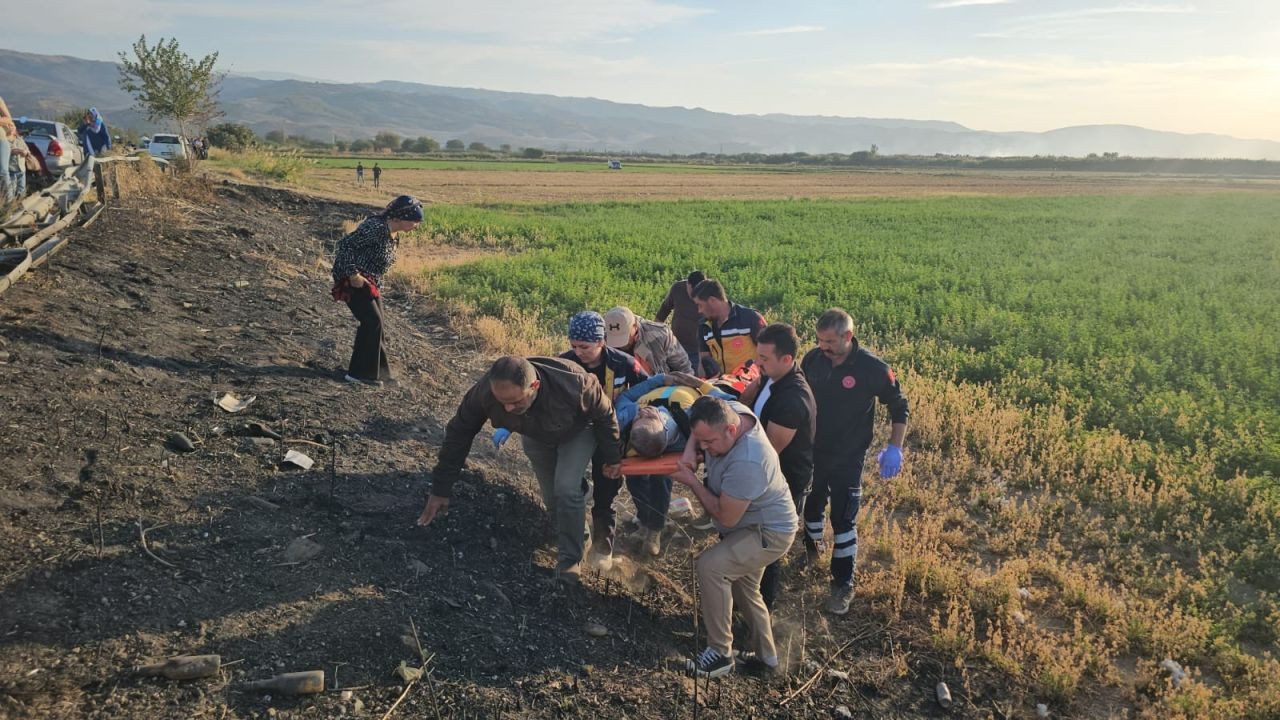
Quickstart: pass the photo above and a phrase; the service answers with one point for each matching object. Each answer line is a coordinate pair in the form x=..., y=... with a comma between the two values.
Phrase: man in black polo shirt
x=728, y=330
x=781, y=398
x=846, y=381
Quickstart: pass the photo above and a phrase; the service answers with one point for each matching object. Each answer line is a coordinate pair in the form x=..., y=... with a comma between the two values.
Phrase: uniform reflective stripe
x=666, y=392
x=844, y=552
x=846, y=538
x=814, y=530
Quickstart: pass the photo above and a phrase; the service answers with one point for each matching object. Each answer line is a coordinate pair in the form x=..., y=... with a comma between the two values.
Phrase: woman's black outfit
x=369, y=250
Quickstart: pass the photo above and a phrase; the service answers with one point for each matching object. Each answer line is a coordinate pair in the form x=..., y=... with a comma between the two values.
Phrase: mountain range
x=48, y=85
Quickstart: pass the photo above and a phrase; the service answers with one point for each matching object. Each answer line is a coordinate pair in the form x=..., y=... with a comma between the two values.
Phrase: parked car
x=170, y=147
x=57, y=143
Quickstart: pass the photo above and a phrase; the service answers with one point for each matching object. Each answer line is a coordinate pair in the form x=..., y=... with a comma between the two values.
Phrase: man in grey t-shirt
x=749, y=502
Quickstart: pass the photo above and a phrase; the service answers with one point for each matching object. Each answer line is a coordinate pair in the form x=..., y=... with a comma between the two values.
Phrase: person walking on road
x=847, y=380
x=363, y=257
x=747, y=497
x=563, y=416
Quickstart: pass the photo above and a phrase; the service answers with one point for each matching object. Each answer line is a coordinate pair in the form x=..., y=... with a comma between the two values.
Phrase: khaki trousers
x=728, y=573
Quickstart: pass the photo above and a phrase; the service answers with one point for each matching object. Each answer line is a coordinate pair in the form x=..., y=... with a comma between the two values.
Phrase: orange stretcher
x=661, y=465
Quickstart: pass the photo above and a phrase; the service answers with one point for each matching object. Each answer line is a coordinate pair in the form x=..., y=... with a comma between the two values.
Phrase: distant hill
x=43, y=85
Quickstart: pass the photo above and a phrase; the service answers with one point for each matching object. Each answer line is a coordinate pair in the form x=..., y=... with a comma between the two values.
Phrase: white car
x=58, y=143
x=170, y=147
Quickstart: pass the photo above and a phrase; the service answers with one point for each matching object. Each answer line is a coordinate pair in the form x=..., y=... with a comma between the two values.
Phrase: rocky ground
x=118, y=548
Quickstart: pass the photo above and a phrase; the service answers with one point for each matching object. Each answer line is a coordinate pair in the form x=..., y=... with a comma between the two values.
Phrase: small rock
x=346, y=696
x=357, y=707
x=256, y=443
x=1019, y=618
x=1024, y=593
x=1042, y=710
x=496, y=591
x=842, y=712
x=181, y=443
x=258, y=430
x=4, y=356
x=419, y=567
x=595, y=629
x=838, y=675
x=587, y=670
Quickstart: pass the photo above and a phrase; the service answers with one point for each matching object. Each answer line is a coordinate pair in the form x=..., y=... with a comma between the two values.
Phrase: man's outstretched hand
x=435, y=506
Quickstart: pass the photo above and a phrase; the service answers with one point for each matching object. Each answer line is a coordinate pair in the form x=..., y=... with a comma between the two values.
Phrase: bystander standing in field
x=359, y=173
x=563, y=416
x=847, y=380
x=377, y=175
x=781, y=398
x=683, y=310
x=616, y=371
x=728, y=330
x=363, y=257
x=746, y=496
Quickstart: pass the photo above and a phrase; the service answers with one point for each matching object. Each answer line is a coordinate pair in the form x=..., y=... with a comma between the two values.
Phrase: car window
x=37, y=127
x=165, y=139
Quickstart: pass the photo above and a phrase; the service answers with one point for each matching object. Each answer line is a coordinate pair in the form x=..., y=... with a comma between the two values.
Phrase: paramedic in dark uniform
x=847, y=380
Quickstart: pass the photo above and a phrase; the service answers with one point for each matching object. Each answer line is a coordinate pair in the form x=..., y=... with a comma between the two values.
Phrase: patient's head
x=649, y=433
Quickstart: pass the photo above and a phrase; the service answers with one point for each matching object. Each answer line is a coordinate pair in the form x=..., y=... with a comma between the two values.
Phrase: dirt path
x=127, y=336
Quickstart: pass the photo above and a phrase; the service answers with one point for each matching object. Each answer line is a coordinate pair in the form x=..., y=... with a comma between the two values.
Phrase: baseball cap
x=617, y=327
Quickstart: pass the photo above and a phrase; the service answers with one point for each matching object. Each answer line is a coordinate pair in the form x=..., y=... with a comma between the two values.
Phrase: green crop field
x=1094, y=386
x=1159, y=316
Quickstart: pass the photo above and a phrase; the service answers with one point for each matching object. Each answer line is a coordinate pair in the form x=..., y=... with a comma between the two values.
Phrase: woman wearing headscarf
x=93, y=132
x=362, y=259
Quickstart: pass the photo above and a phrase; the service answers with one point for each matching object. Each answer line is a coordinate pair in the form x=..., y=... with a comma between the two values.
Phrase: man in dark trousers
x=377, y=175
x=781, y=398
x=564, y=417
x=846, y=380
x=359, y=173
x=684, y=316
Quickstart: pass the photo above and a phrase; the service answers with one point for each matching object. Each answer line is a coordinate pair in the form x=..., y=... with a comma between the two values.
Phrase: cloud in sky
x=997, y=64
x=947, y=4
x=789, y=30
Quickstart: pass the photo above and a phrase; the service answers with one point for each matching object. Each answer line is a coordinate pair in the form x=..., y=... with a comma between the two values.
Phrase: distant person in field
x=563, y=416
x=93, y=132
x=847, y=380
x=781, y=398
x=683, y=310
x=377, y=175
x=746, y=496
x=728, y=330
x=616, y=371
x=359, y=173
x=363, y=257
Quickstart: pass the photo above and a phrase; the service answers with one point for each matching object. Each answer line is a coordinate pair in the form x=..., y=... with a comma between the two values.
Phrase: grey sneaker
x=841, y=596
x=751, y=662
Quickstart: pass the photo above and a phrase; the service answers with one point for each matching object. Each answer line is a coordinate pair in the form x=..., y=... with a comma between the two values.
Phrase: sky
x=1206, y=66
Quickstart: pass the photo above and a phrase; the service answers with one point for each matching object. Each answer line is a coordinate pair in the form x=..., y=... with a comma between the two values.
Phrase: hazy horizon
x=997, y=65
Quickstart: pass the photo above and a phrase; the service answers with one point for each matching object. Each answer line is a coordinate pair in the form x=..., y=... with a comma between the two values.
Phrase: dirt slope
x=169, y=301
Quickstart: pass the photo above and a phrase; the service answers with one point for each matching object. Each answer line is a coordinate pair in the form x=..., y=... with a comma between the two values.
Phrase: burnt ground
x=170, y=300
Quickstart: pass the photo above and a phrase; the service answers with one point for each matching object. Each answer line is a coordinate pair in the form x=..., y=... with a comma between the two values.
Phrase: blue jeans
x=652, y=496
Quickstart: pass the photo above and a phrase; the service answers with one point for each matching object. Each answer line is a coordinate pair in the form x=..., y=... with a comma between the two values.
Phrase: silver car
x=58, y=143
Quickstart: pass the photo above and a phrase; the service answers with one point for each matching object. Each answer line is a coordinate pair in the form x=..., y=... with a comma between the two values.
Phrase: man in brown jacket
x=653, y=344
x=562, y=415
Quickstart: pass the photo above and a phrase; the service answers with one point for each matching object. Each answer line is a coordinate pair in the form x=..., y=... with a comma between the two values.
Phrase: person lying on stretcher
x=653, y=415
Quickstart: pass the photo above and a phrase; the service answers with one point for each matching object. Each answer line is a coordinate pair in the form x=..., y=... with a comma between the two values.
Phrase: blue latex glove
x=890, y=460
x=500, y=436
